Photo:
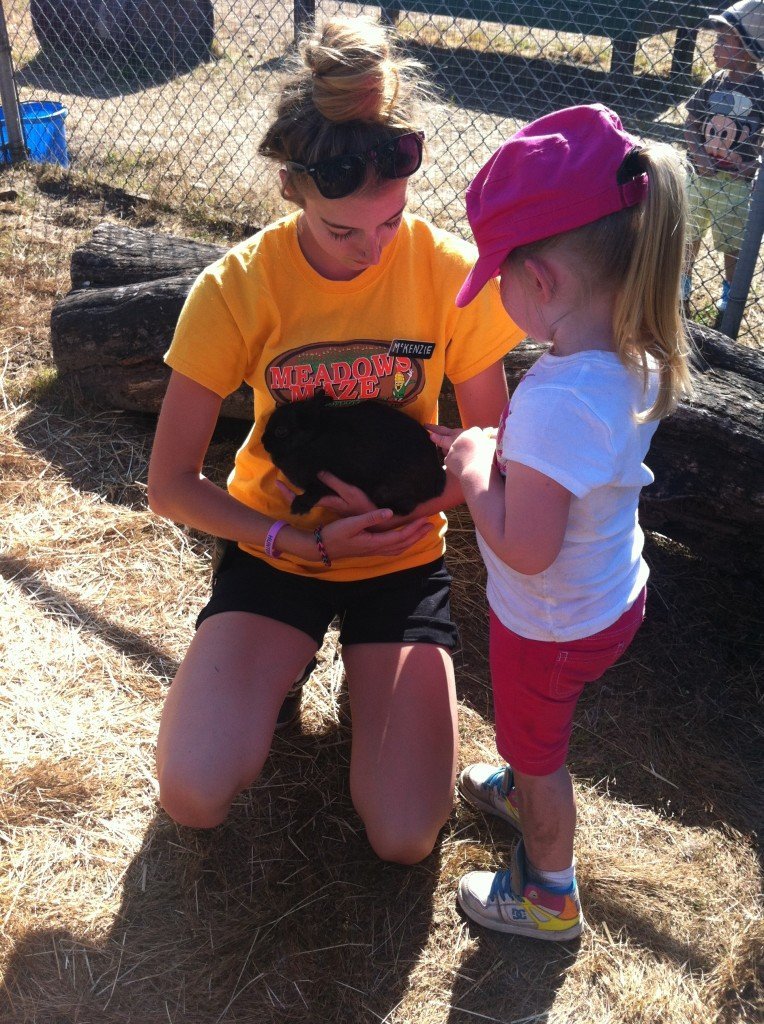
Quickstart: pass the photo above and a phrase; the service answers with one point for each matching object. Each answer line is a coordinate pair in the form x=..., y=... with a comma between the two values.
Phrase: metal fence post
x=16, y=146
x=304, y=16
x=746, y=263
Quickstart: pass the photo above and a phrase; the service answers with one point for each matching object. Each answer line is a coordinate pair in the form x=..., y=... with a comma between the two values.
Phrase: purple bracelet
x=270, y=539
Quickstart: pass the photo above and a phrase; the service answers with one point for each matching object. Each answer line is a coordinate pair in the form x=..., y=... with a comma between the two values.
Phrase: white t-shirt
x=572, y=418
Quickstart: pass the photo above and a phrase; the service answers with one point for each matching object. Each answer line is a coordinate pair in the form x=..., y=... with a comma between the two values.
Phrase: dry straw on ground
x=112, y=914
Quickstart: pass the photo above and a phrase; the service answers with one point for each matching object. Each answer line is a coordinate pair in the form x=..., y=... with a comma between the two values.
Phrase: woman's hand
x=355, y=536
x=347, y=500
x=443, y=437
x=350, y=502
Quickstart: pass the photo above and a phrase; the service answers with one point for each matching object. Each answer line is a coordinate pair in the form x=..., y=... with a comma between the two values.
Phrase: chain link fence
x=166, y=101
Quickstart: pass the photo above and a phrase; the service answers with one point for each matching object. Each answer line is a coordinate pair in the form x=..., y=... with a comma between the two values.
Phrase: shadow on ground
x=106, y=451
x=502, y=979
x=28, y=580
x=279, y=914
x=509, y=85
x=525, y=88
x=96, y=75
x=676, y=725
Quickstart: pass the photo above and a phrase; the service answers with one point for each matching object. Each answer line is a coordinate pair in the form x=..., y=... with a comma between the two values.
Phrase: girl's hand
x=355, y=536
x=469, y=446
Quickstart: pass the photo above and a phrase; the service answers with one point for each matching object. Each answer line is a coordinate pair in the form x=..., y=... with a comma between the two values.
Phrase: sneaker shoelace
x=499, y=781
x=501, y=886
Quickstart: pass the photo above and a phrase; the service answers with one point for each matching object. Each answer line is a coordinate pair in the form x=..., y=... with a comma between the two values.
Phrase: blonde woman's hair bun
x=356, y=75
x=348, y=89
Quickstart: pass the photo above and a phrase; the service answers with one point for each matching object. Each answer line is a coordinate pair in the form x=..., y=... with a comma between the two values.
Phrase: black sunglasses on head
x=339, y=176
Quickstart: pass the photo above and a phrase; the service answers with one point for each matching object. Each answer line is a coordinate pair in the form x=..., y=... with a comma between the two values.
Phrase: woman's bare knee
x=197, y=806
x=405, y=838
x=401, y=849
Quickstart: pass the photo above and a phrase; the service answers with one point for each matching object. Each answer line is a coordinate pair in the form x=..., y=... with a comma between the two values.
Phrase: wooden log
x=707, y=458
x=112, y=341
x=117, y=255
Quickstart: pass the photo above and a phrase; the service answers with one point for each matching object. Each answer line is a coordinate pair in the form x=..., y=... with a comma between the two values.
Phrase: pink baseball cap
x=556, y=174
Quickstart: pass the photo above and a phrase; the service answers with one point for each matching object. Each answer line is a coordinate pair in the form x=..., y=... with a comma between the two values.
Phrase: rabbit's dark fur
x=369, y=444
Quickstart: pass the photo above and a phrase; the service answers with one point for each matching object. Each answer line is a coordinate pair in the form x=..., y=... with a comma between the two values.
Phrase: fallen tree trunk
x=116, y=255
x=114, y=326
x=707, y=458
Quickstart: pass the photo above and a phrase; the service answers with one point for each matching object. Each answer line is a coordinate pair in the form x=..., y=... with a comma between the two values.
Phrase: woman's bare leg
x=405, y=744
x=218, y=720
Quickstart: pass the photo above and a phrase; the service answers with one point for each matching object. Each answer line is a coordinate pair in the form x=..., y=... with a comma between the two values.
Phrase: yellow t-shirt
x=261, y=314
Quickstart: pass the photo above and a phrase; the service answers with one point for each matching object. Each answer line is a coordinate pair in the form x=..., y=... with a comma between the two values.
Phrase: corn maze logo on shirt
x=348, y=372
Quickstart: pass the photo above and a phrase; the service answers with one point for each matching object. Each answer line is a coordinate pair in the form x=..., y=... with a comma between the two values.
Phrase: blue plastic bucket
x=43, y=127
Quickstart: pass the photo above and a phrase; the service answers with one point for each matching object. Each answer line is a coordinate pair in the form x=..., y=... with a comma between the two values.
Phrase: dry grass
x=112, y=914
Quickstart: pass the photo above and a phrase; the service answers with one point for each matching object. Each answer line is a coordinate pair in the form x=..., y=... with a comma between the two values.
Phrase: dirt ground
x=189, y=140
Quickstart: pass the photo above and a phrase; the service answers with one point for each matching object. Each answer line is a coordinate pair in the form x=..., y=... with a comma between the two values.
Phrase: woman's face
x=340, y=238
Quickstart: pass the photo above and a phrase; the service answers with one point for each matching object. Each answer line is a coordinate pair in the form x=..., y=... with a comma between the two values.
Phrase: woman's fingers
x=356, y=535
x=348, y=499
x=442, y=437
x=372, y=518
x=333, y=503
x=395, y=541
x=286, y=492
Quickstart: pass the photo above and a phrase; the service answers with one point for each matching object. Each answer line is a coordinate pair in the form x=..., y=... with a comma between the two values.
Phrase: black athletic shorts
x=411, y=606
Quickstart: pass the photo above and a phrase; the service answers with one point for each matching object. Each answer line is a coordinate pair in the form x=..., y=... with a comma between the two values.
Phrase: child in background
x=723, y=133
x=585, y=228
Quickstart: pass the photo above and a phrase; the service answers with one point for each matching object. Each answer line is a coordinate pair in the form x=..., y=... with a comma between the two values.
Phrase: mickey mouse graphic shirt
x=729, y=116
x=263, y=315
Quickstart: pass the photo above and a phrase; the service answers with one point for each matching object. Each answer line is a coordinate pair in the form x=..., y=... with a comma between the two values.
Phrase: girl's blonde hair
x=640, y=252
x=351, y=89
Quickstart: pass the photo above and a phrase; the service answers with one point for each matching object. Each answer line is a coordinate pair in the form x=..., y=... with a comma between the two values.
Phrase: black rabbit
x=370, y=444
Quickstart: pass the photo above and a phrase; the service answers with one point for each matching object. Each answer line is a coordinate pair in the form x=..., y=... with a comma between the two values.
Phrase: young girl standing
x=585, y=228
x=352, y=296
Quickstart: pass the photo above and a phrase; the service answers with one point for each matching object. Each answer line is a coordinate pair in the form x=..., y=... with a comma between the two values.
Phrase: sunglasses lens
x=405, y=157
x=399, y=158
x=339, y=176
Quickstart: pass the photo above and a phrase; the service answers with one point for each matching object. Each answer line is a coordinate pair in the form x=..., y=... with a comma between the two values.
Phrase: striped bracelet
x=322, y=548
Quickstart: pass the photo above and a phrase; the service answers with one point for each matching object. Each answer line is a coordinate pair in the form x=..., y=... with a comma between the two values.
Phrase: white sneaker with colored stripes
x=491, y=789
x=506, y=901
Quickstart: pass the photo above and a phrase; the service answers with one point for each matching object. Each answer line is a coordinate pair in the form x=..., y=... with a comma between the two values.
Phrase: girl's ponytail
x=648, y=319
